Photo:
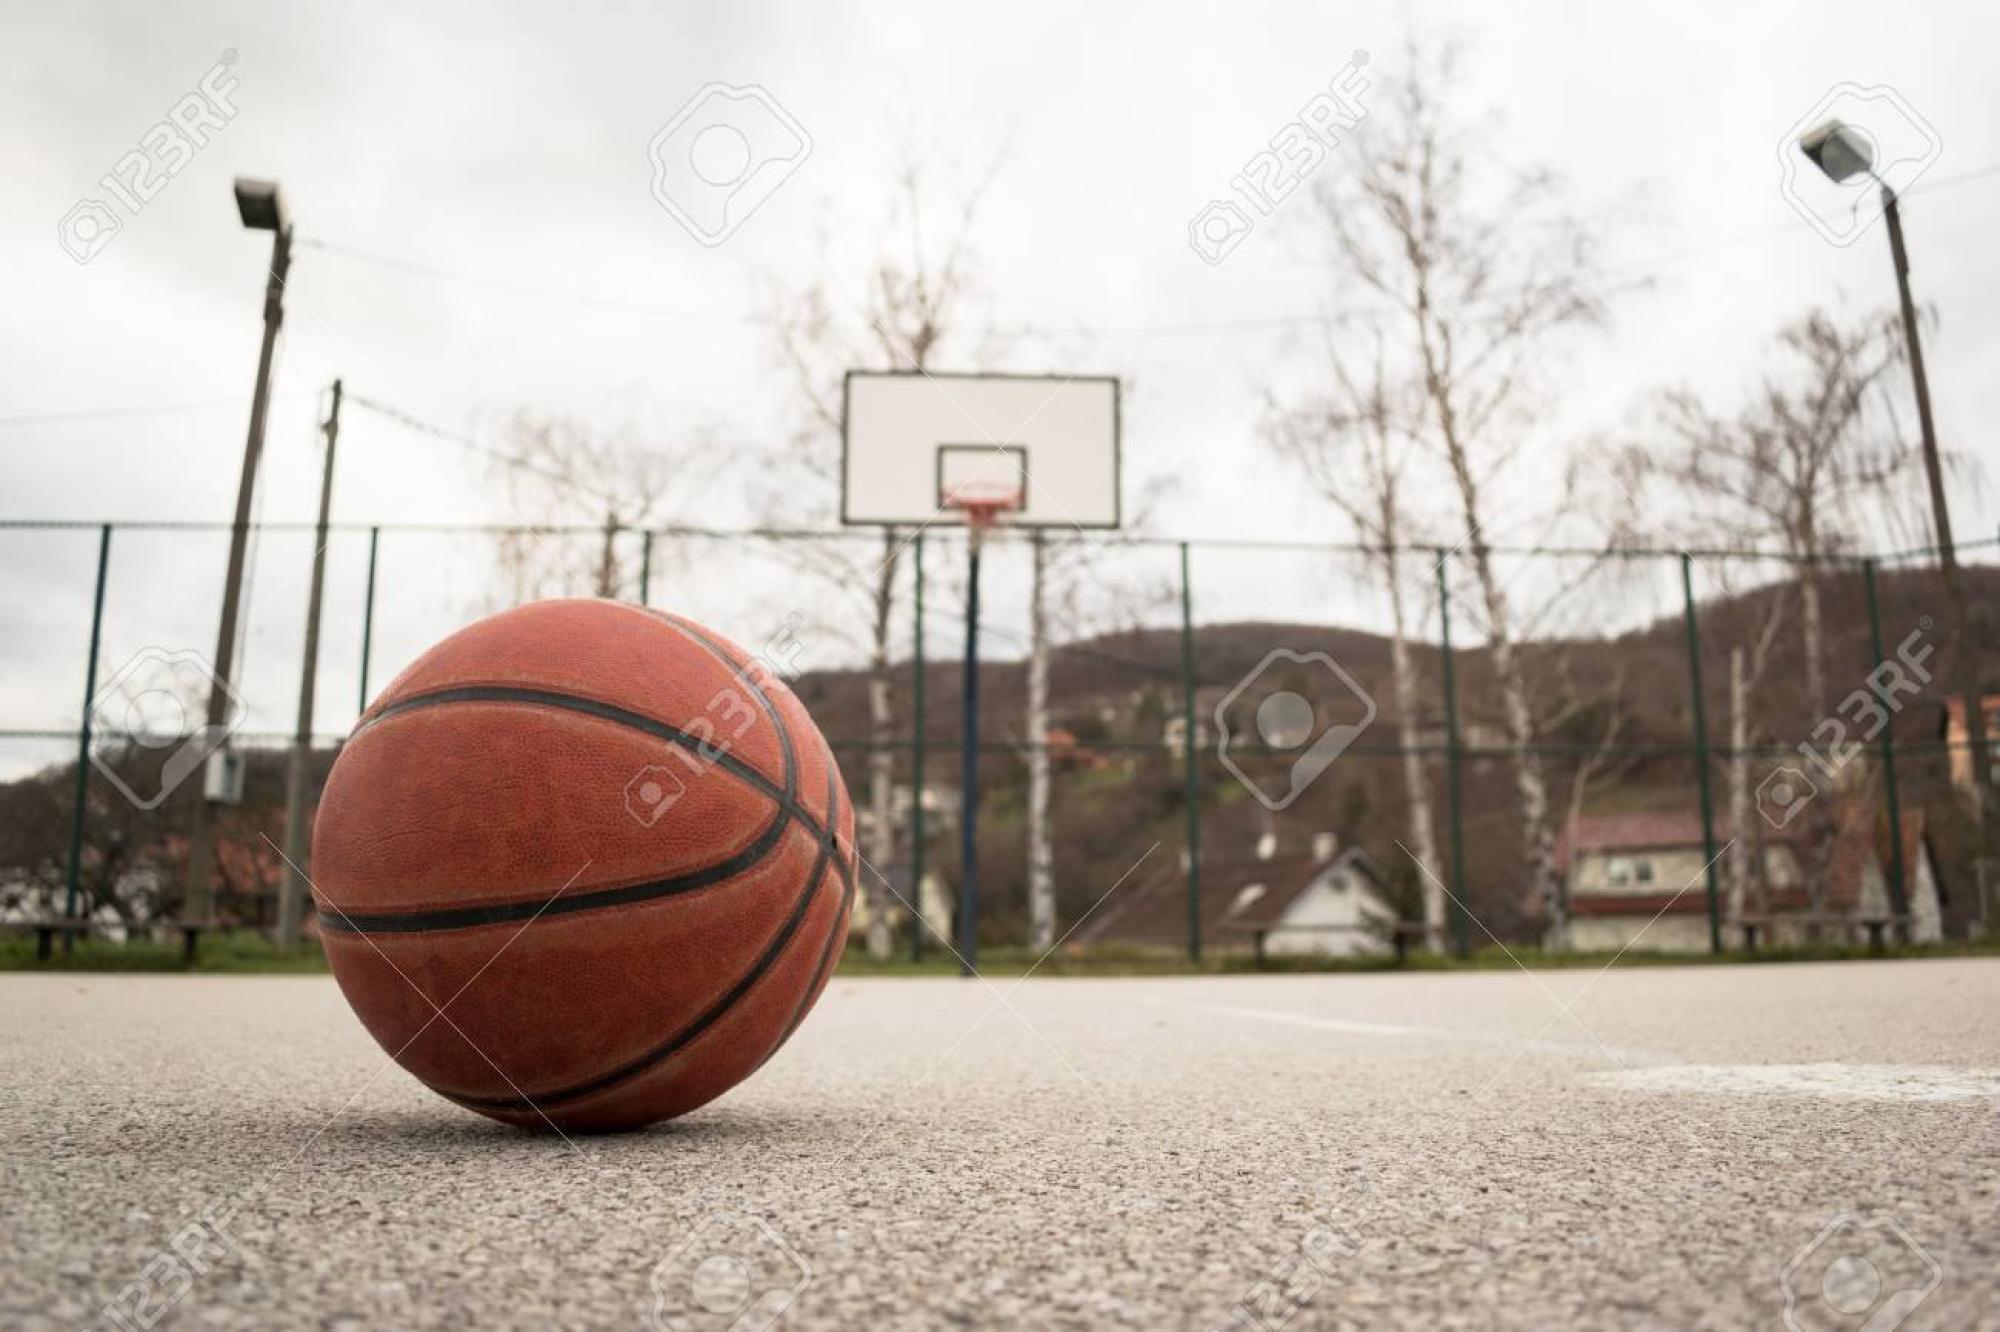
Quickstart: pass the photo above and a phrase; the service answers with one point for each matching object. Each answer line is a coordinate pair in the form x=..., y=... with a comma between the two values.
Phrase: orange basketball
x=583, y=865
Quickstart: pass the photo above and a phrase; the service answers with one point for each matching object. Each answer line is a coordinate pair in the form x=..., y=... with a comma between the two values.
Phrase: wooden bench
x=1878, y=929
x=1400, y=935
x=47, y=930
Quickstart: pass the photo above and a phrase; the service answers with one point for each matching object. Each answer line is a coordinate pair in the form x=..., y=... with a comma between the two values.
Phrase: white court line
x=1838, y=1082
x=1927, y=1083
x=1350, y=1026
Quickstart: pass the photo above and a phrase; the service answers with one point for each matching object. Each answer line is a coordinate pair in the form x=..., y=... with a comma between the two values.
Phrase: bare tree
x=559, y=468
x=1597, y=717
x=1746, y=841
x=1041, y=848
x=912, y=305
x=1482, y=269
x=1792, y=468
x=1068, y=574
x=1353, y=439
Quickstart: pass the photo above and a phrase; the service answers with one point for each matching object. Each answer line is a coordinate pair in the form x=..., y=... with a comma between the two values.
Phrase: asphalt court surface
x=1649, y=1147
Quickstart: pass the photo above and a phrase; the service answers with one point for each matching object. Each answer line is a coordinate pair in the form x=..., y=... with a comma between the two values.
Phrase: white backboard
x=908, y=439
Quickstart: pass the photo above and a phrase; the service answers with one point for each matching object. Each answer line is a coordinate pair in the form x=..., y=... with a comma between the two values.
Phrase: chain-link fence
x=1275, y=746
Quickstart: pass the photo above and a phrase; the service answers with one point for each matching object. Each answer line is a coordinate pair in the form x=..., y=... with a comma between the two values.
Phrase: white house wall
x=1326, y=904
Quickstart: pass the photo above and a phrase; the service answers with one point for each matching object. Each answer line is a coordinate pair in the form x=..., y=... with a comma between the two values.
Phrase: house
x=1640, y=880
x=933, y=899
x=941, y=810
x=1069, y=754
x=1474, y=737
x=1173, y=735
x=1952, y=732
x=27, y=899
x=1322, y=902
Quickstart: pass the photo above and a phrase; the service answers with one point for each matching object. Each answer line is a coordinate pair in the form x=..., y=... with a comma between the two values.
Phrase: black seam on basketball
x=845, y=868
x=742, y=671
x=828, y=845
x=784, y=798
x=591, y=707
x=500, y=913
x=842, y=914
x=695, y=631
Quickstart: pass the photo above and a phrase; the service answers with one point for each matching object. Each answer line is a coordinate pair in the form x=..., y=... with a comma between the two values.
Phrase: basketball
x=583, y=866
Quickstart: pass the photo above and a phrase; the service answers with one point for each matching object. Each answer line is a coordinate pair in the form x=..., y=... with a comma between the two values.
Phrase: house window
x=1627, y=871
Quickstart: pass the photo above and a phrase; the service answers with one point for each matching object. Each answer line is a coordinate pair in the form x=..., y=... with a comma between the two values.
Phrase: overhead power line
x=1609, y=272
x=481, y=447
x=116, y=413
x=570, y=295
x=1606, y=273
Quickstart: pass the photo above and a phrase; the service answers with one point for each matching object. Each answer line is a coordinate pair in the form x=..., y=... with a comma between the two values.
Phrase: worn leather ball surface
x=584, y=865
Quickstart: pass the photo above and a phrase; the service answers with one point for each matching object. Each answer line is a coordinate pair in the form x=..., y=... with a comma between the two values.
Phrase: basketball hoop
x=983, y=505
x=980, y=482
x=928, y=449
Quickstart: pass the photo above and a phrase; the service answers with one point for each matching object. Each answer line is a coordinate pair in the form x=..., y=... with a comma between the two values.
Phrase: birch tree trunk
x=1811, y=633
x=1041, y=856
x=1531, y=787
x=1819, y=855
x=1490, y=285
x=1423, y=840
x=881, y=753
x=1529, y=783
x=1739, y=786
x=607, y=560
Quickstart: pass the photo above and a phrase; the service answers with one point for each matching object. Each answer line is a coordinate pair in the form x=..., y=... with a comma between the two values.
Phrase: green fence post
x=1453, y=767
x=1191, y=753
x=73, y=874
x=917, y=757
x=368, y=615
x=1701, y=752
x=645, y=566
x=1899, y=896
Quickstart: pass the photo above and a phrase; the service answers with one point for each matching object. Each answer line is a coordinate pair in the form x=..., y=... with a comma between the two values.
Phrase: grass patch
x=1132, y=960
x=233, y=951
x=244, y=952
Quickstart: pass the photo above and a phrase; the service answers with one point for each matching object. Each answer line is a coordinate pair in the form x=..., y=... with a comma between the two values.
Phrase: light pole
x=262, y=208
x=1843, y=153
x=296, y=887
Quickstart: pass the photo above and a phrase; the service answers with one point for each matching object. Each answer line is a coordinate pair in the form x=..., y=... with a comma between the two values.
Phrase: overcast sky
x=509, y=144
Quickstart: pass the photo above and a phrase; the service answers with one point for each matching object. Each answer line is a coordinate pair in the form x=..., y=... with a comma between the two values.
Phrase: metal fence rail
x=390, y=603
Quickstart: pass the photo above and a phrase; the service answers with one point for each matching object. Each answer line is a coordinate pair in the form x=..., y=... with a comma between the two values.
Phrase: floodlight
x=260, y=205
x=1841, y=151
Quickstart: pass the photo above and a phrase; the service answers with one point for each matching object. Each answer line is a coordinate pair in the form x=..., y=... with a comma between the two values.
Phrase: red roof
x=1954, y=712
x=1640, y=830
x=1860, y=837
